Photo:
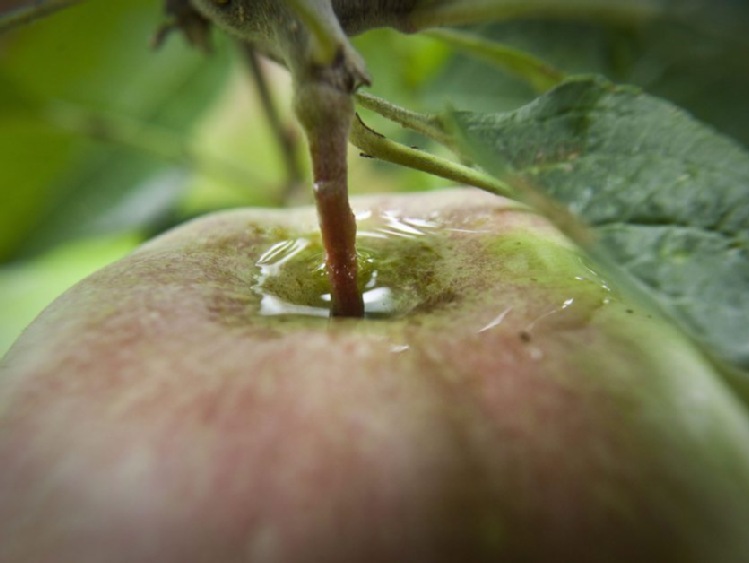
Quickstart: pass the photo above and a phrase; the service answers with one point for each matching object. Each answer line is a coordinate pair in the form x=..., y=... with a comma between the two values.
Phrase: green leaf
x=667, y=197
x=697, y=57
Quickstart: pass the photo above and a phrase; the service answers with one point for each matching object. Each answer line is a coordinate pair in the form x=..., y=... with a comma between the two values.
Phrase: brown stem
x=338, y=228
x=326, y=114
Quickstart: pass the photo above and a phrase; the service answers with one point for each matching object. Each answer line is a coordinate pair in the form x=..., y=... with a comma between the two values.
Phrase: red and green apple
x=193, y=402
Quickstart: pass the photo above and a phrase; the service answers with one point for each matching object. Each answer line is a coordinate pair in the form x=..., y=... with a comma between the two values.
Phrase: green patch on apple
x=664, y=196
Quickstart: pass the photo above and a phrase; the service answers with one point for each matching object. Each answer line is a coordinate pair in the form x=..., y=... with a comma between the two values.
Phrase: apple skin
x=515, y=410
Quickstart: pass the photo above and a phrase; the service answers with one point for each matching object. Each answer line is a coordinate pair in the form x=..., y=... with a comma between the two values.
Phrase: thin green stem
x=375, y=145
x=540, y=75
x=431, y=13
x=428, y=125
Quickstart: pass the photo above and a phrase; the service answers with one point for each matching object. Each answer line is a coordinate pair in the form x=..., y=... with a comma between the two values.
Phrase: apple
x=194, y=403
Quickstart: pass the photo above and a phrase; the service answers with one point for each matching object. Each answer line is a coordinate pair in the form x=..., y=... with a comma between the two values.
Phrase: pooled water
x=408, y=264
x=291, y=278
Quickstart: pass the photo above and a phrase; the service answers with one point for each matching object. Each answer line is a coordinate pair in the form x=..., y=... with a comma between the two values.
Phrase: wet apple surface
x=500, y=402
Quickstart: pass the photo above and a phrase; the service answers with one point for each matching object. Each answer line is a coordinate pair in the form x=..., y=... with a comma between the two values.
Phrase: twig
x=375, y=145
x=285, y=136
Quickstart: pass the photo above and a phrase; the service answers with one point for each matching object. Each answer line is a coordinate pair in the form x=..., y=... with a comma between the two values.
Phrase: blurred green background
x=105, y=142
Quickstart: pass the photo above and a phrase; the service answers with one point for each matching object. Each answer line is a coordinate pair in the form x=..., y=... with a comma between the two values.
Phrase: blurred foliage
x=104, y=142
x=94, y=139
x=698, y=59
x=90, y=115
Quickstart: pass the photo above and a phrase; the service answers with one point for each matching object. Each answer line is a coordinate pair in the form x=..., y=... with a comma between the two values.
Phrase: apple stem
x=338, y=227
x=326, y=113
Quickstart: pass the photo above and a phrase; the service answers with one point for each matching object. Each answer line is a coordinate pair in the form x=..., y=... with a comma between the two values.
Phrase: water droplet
x=496, y=321
x=575, y=310
x=391, y=224
x=272, y=305
x=378, y=300
x=279, y=295
x=271, y=260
